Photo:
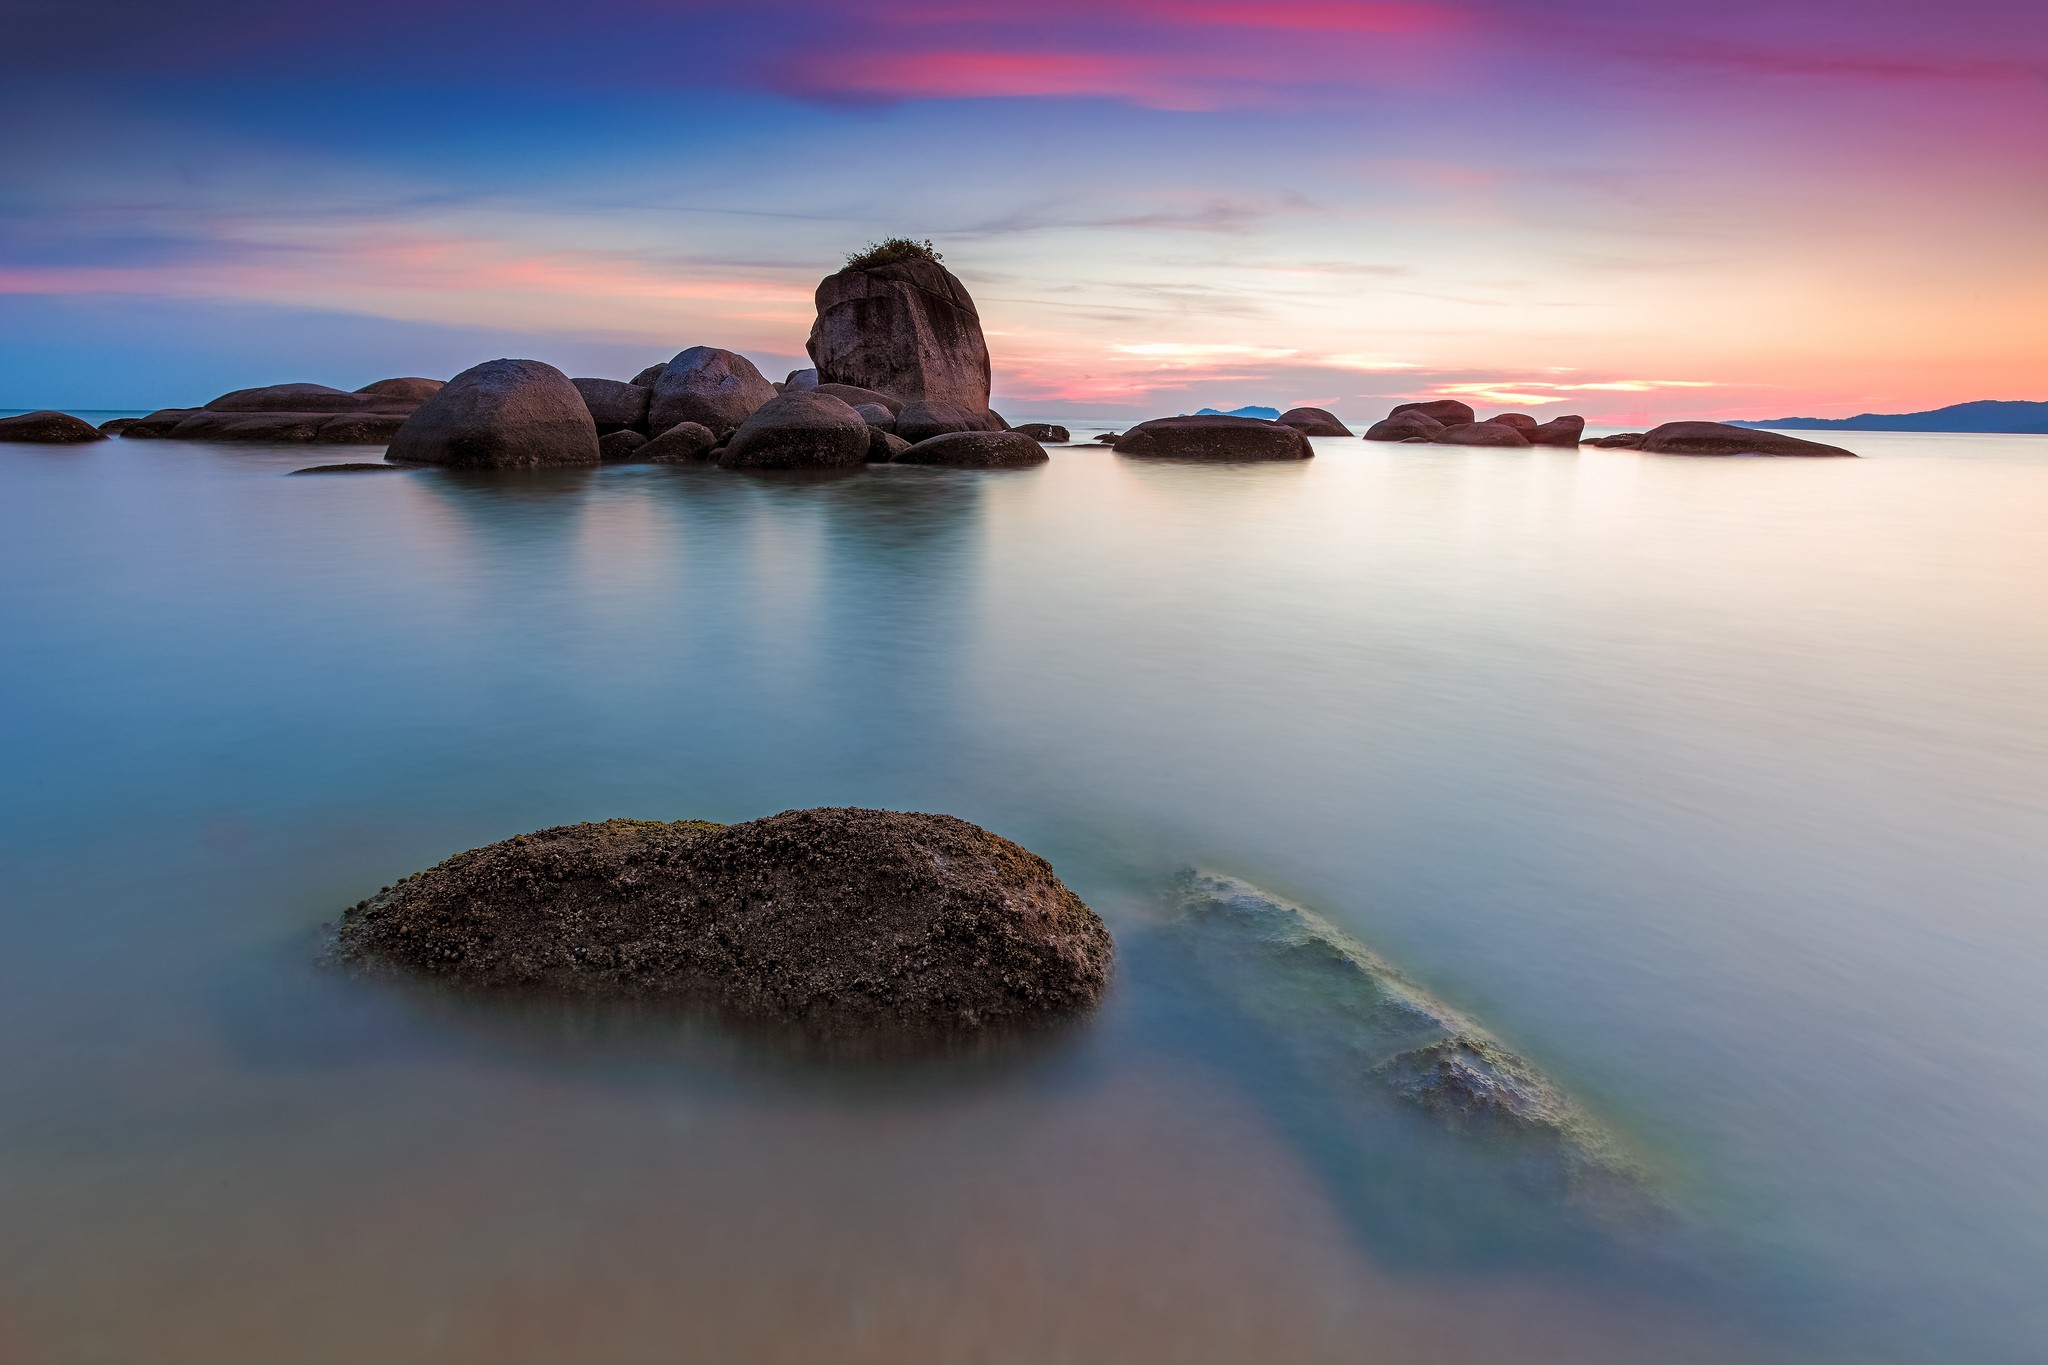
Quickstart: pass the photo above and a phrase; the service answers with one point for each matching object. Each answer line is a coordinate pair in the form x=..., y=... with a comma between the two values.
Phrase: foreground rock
x=1480, y=434
x=837, y=921
x=49, y=428
x=976, y=450
x=502, y=414
x=718, y=389
x=905, y=327
x=1214, y=438
x=1716, y=438
x=1449, y=411
x=1620, y=440
x=1314, y=422
x=800, y=429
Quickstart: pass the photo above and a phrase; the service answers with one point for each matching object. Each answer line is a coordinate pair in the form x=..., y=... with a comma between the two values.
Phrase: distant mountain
x=1269, y=414
x=1984, y=415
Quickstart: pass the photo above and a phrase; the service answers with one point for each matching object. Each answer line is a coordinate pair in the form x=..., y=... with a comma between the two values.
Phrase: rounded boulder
x=49, y=428
x=719, y=389
x=976, y=450
x=1314, y=422
x=1448, y=411
x=1214, y=438
x=801, y=429
x=502, y=414
x=1718, y=438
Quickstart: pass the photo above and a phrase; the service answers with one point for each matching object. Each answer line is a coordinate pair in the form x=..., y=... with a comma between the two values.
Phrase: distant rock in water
x=1327, y=997
x=1404, y=426
x=502, y=414
x=1314, y=422
x=1481, y=434
x=49, y=428
x=1718, y=438
x=1219, y=438
x=840, y=922
x=1449, y=411
x=1620, y=440
x=1262, y=414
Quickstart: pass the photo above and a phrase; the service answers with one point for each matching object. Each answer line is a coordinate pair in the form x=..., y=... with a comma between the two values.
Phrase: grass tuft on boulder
x=892, y=251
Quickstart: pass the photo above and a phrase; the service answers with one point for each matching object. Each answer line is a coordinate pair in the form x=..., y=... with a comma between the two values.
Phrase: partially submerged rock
x=501, y=414
x=1214, y=438
x=1566, y=430
x=683, y=443
x=1045, y=432
x=1411, y=425
x=1717, y=438
x=1480, y=434
x=800, y=429
x=49, y=428
x=1314, y=422
x=410, y=389
x=617, y=447
x=976, y=450
x=835, y=921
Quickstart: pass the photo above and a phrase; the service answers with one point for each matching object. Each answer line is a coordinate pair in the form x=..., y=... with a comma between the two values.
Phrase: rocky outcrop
x=801, y=429
x=849, y=923
x=976, y=450
x=617, y=447
x=1214, y=438
x=704, y=384
x=683, y=443
x=1405, y=426
x=906, y=328
x=502, y=414
x=49, y=428
x=1480, y=434
x=410, y=390
x=1448, y=411
x=1558, y=431
x=615, y=406
x=854, y=396
x=1045, y=432
x=1314, y=422
x=925, y=418
x=1716, y=438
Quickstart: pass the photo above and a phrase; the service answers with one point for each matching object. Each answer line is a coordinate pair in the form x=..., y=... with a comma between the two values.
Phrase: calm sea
x=1716, y=788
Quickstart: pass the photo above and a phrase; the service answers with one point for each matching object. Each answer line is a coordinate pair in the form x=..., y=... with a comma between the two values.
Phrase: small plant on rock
x=891, y=252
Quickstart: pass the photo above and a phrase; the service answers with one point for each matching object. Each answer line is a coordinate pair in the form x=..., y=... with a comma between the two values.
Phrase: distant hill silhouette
x=2012, y=418
x=1270, y=414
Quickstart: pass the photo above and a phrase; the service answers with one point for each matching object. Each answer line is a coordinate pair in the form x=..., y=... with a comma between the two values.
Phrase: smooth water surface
x=1718, y=788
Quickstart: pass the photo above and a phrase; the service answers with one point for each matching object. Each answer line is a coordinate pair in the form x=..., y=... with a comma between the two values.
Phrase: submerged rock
x=1214, y=438
x=49, y=428
x=1314, y=422
x=1716, y=438
x=832, y=920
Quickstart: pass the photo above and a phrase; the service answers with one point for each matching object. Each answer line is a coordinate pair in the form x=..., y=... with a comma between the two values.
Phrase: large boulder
x=683, y=443
x=49, y=428
x=410, y=390
x=854, y=396
x=1214, y=438
x=614, y=406
x=1406, y=426
x=906, y=328
x=501, y=414
x=1480, y=434
x=1448, y=411
x=704, y=384
x=1558, y=431
x=1715, y=438
x=928, y=417
x=977, y=450
x=1314, y=422
x=859, y=925
x=800, y=429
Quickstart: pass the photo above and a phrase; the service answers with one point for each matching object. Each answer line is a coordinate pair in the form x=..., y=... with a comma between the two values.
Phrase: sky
x=1630, y=209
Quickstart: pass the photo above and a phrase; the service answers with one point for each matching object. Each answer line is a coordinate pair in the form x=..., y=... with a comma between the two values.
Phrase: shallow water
x=1718, y=789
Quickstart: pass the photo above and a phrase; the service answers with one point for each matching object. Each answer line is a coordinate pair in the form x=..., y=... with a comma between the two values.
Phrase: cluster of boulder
x=289, y=413
x=1447, y=421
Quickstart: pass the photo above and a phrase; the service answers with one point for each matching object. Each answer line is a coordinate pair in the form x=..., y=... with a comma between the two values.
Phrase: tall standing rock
x=502, y=414
x=704, y=384
x=907, y=328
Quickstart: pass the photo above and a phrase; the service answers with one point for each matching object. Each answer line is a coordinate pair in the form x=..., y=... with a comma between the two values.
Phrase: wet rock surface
x=832, y=920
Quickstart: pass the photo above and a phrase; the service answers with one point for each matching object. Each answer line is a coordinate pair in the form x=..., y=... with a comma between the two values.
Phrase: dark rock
x=1716, y=438
x=115, y=426
x=928, y=417
x=802, y=429
x=884, y=446
x=614, y=406
x=1109, y=438
x=361, y=429
x=800, y=379
x=683, y=443
x=1520, y=421
x=976, y=450
x=1214, y=438
x=1448, y=411
x=304, y=398
x=412, y=390
x=158, y=425
x=501, y=414
x=359, y=468
x=1045, y=431
x=707, y=385
x=854, y=396
x=619, y=446
x=906, y=328
x=875, y=415
x=1558, y=431
x=859, y=924
x=1480, y=434
x=48, y=428
x=1314, y=422
x=995, y=421
x=274, y=428
x=645, y=379
x=1410, y=425
x=1621, y=440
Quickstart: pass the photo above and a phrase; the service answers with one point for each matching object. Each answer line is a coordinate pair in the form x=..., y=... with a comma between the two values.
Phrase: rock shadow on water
x=1446, y=1149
